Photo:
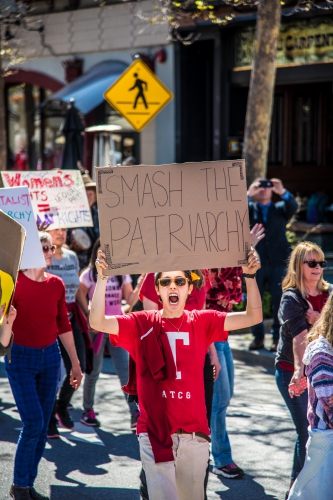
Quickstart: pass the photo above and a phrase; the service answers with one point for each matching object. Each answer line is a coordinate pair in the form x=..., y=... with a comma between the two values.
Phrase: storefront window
x=305, y=129
x=34, y=138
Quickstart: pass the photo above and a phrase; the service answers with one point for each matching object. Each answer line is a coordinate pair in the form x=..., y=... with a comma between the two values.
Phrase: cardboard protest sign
x=16, y=203
x=168, y=217
x=58, y=197
x=11, y=249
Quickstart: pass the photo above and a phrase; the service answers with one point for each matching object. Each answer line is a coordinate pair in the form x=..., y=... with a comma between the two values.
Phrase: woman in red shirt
x=169, y=348
x=33, y=369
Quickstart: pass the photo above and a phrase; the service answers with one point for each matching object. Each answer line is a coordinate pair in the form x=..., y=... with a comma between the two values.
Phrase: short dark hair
x=197, y=284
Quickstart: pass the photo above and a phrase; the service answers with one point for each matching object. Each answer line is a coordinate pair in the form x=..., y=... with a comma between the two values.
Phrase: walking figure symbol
x=139, y=84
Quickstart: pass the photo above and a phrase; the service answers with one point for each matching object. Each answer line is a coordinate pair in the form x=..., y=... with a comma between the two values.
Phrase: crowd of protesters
x=69, y=313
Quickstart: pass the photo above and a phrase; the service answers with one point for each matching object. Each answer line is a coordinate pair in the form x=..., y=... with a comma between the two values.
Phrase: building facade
x=77, y=37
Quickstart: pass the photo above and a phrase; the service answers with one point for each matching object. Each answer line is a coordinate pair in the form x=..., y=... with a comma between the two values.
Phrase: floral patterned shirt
x=226, y=288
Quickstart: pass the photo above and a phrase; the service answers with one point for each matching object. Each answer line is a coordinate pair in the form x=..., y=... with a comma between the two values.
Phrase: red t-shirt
x=41, y=311
x=318, y=301
x=196, y=301
x=185, y=396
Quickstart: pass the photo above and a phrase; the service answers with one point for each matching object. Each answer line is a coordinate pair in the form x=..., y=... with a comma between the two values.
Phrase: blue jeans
x=223, y=391
x=298, y=409
x=33, y=376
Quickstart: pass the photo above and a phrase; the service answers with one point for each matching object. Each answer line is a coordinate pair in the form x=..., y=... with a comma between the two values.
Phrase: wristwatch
x=245, y=275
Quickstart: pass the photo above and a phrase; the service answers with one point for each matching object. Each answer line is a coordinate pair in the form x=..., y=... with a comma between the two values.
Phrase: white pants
x=182, y=479
x=315, y=481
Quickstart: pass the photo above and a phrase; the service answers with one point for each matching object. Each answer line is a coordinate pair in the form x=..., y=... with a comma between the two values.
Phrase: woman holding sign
x=34, y=365
x=169, y=348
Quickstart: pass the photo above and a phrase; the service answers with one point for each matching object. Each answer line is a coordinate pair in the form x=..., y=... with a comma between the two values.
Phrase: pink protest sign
x=58, y=197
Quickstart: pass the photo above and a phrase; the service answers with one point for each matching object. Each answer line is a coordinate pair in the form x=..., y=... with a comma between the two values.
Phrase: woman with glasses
x=169, y=348
x=33, y=368
x=65, y=265
x=305, y=293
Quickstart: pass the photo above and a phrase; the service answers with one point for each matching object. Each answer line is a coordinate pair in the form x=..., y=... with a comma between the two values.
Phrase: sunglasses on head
x=313, y=263
x=177, y=281
x=47, y=248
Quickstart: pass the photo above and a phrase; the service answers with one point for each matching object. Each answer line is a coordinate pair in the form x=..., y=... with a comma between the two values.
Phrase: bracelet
x=102, y=277
x=245, y=275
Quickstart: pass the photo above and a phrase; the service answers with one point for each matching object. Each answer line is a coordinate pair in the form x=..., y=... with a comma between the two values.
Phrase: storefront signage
x=168, y=217
x=138, y=95
x=16, y=203
x=58, y=197
x=300, y=42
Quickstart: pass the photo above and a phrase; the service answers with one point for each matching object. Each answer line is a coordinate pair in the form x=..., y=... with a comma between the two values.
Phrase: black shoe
x=64, y=418
x=230, y=471
x=52, y=431
x=89, y=418
x=19, y=493
x=37, y=496
x=256, y=345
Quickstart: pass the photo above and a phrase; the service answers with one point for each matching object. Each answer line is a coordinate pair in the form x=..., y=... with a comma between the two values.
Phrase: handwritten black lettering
x=172, y=232
x=110, y=179
x=211, y=232
x=136, y=182
x=221, y=188
x=162, y=187
x=134, y=238
x=207, y=185
x=199, y=231
x=119, y=223
x=176, y=190
x=155, y=217
x=242, y=221
x=146, y=193
x=232, y=185
x=221, y=230
x=232, y=231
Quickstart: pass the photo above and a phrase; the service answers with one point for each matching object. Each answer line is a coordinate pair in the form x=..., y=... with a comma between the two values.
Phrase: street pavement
x=104, y=464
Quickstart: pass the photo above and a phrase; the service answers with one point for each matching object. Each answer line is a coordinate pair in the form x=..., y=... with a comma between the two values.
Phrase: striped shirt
x=318, y=359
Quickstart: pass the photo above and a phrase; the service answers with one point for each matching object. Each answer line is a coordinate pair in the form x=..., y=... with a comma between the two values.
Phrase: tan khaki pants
x=182, y=479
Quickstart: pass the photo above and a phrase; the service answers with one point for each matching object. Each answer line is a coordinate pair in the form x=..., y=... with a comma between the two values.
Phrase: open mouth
x=173, y=298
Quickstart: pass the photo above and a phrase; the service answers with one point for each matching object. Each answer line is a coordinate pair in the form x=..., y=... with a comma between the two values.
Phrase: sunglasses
x=47, y=248
x=313, y=263
x=177, y=281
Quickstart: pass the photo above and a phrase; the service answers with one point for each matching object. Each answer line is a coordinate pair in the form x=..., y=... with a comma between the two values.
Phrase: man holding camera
x=274, y=249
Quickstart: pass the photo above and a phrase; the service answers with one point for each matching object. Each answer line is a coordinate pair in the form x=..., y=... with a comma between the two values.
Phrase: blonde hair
x=294, y=277
x=324, y=325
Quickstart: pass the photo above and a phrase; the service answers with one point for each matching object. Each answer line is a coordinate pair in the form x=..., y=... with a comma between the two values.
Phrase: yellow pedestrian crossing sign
x=138, y=95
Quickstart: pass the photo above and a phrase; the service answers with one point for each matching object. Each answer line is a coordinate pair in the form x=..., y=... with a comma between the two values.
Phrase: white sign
x=16, y=203
x=58, y=197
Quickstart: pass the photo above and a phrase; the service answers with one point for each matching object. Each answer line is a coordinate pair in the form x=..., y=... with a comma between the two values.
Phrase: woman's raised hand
x=101, y=263
x=253, y=262
x=257, y=233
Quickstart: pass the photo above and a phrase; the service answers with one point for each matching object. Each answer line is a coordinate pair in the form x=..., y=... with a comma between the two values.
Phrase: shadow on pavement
x=89, y=459
x=82, y=492
x=239, y=489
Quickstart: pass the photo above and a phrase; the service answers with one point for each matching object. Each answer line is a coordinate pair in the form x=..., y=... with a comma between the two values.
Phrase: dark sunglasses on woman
x=313, y=263
x=47, y=248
